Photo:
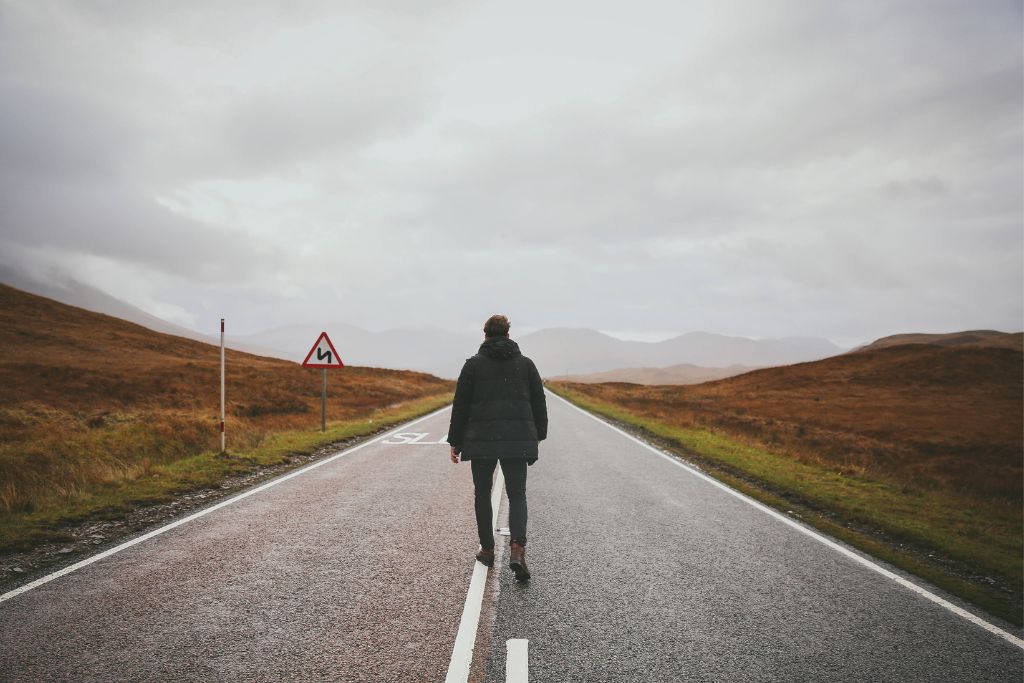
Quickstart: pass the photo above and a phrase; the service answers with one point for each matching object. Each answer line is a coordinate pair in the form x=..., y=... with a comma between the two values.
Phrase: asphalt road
x=358, y=570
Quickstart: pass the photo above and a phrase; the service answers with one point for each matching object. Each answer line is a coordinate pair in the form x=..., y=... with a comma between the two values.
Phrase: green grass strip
x=985, y=539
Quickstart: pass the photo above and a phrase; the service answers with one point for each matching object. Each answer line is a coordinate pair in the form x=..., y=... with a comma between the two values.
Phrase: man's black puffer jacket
x=499, y=409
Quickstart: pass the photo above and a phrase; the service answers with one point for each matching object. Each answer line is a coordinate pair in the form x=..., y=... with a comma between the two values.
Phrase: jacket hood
x=500, y=348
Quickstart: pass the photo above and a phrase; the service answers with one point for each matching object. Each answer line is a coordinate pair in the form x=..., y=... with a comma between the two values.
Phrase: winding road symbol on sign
x=323, y=354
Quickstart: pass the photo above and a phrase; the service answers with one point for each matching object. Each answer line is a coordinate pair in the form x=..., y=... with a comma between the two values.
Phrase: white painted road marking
x=462, y=652
x=156, y=532
x=517, y=660
x=959, y=611
x=414, y=438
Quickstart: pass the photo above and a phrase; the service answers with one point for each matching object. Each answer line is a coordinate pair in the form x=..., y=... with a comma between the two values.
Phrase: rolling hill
x=947, y=416
x=66, y=290
x=90, y=404
x=688, y=373
x=979, y=338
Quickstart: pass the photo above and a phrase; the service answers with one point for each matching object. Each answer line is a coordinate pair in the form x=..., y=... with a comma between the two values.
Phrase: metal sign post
x=323, y=355
x=222, y=385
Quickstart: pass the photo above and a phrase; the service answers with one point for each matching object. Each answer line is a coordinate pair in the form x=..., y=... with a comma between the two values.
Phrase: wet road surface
x=358, y=570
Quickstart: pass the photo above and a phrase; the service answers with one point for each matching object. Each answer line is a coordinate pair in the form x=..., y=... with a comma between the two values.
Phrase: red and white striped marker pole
x=222, y=385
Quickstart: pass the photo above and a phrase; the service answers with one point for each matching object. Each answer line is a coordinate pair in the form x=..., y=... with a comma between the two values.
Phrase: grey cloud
x=270, y=130
x=924, y=186
x=41, y=135
x=208, y=18
x=80, y=166
x=66, y=184
x=116, y=221
x=732, y=158
x=817, y=168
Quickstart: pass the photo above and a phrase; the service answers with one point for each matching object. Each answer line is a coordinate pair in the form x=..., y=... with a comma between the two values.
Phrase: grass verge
x=24, y=530
x=971, y=551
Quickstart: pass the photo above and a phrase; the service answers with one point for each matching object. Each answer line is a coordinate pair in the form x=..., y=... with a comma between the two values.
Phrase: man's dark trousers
x=514, y=470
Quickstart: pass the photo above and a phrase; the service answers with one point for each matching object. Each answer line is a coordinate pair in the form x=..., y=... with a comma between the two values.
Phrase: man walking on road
x=499, y=415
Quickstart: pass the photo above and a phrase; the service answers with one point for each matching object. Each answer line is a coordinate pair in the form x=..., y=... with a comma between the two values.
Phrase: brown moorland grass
x=979, y=338
x=923, y=442
x=91, y=403
x=926, y=416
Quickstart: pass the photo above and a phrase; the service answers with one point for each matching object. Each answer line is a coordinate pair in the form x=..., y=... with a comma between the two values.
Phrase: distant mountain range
x=584, y=353
x=557, y=351
x=683, y=373
x=694, y=374
x=563, y=351
x=686, y=359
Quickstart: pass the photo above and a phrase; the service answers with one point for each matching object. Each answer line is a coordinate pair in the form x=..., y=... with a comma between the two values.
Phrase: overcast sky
x=841, y=169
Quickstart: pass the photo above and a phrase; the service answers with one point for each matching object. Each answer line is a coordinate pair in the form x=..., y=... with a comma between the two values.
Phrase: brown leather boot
x=486, y=555
x=517, y=561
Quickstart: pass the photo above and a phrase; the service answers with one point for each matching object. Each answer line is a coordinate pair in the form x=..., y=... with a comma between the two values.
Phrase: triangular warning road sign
x=323, y=354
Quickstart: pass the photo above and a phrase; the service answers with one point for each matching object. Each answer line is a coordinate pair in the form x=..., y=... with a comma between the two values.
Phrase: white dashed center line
x=517, y=664
x=462, y=653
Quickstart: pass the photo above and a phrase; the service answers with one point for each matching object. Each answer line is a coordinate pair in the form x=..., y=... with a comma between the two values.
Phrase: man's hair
x=496, y=326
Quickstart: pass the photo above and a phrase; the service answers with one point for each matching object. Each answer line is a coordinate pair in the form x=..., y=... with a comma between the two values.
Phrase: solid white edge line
x=465, y=639
x=959, y=611
x=156, y=532
x=517, y=660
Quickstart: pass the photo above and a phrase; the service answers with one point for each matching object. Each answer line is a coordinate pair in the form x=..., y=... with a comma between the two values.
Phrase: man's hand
x=455, y=455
